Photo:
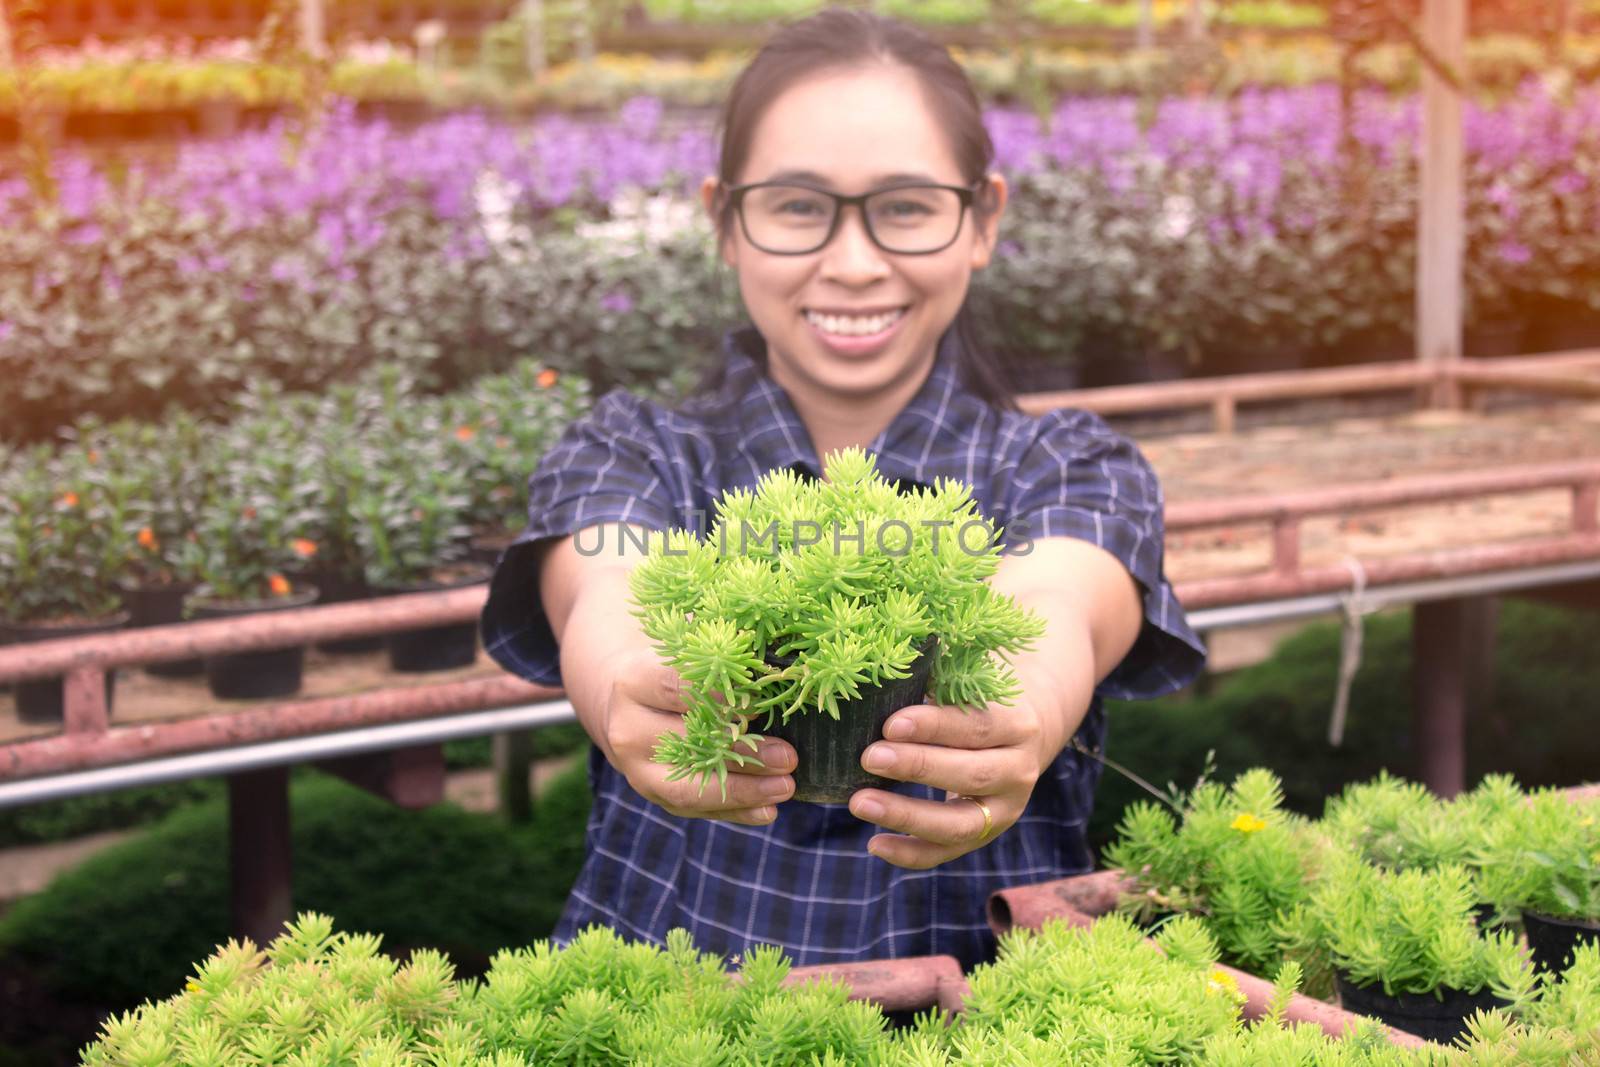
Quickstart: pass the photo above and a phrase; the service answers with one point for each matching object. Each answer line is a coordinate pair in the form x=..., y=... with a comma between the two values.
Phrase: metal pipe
x=1329, y=603
x=1396, y=492
x=273, y=629
x=1418, y=567
x=262, y=722
x=250, y=756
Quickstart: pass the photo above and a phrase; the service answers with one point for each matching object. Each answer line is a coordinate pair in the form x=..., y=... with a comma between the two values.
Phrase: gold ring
x=988, y=816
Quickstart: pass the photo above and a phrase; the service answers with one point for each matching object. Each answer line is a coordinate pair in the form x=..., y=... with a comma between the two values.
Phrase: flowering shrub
x=63, y=536
x=849, y=578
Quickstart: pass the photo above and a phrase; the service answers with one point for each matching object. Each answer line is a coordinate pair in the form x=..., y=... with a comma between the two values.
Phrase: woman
x=853, y=200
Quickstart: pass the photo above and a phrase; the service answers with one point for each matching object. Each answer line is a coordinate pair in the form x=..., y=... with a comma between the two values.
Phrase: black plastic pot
x=41, y=700
x=159, y=605
x=273, y=672
x=1422, y=1014
x=341, y=587
x=829, y=752
x=1552, y=939
x=435, y=648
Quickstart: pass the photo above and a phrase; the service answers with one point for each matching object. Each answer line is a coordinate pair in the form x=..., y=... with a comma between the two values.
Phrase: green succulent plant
x=845, y=575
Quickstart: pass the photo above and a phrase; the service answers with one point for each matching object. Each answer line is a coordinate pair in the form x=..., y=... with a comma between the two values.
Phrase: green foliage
x=844, y=575
x=1544, y=856
x=1237, y=857
x=64, y=535
x=1411, y=931
x=126, y=923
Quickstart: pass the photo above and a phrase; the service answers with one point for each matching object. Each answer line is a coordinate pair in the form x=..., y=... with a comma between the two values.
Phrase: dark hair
x=844, y=38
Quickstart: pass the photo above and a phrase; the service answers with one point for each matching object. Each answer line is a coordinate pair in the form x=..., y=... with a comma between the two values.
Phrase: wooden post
x=1146, y=37
x=261, y=860
x=533, y=37
x=513, y=758
x=1438, y=718
x=1440, y=228
x=1196, y=21
x=313, y=27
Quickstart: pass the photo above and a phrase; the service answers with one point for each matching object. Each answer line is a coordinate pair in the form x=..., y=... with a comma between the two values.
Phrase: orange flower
x=69, y=499
x=547, y=378
x=465, y=433
x=304, y=548
x=249, y=513
x=147, y=539
x=278, y=584
x=94, y=457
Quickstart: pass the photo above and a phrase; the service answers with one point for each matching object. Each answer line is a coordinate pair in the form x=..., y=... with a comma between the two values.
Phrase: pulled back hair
x=840, y=38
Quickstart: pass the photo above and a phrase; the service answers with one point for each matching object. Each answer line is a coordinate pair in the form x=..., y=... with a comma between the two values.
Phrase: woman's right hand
x=642, y=699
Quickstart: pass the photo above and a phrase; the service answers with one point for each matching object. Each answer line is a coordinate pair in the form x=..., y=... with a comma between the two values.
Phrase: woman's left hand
x=994, y=755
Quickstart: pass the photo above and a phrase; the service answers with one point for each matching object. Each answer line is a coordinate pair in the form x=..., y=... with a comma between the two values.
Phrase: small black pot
x=273, y=672
x=1553, y=939
x=1422, y=1014
x=829, y=752
x=160, y=605
x=435, y=648
x=340, y=587
x=41, y=700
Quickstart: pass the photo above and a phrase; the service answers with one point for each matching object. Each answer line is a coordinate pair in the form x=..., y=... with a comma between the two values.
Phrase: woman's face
x=853, y=131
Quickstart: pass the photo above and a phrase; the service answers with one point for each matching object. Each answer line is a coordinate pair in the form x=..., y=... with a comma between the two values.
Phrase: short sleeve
x=606, y=467
x=1080, y=478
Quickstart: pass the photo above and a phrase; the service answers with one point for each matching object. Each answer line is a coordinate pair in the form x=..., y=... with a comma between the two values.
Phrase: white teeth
x=854, y=325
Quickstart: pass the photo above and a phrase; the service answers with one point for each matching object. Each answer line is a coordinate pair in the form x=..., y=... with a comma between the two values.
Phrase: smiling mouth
x=854, y=325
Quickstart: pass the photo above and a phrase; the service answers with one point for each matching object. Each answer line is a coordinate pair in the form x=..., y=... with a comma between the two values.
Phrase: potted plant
x=163, y=561
x=825, y=606
x=1235, y=858
x=252, y=525
x=1406, y=947
x=409, y=514
x=61, y=544
x=498, y=430
x=331, y=555
x=1543, y=858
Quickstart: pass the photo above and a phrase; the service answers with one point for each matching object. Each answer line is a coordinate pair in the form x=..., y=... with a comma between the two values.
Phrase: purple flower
x=617, y=301
x=1515, y=253
x=6, y=330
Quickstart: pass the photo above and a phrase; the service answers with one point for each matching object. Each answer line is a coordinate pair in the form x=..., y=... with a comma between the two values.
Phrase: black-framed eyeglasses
x=795, y=219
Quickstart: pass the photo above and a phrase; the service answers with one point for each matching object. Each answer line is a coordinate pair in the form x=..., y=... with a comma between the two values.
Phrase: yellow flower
x=192, y=986
x=1247, y=824
x=1220, y=981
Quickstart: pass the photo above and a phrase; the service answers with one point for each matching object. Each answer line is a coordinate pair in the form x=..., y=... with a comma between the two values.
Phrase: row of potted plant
x=1409, y=905
x=1217, y=236
x=140, y=83
x=369, y=487
x=1102, y=997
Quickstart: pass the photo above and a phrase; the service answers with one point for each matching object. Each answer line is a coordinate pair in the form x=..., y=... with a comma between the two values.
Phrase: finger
x=956, y=822
x=942, y=724
x=762, y=816
x=911, y=853
x=703, y=797
x=959, y=770
x=652, y=683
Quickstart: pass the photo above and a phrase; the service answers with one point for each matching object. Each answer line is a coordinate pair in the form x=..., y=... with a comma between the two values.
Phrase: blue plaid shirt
x=806, y=883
